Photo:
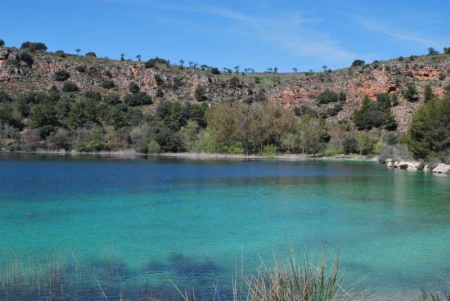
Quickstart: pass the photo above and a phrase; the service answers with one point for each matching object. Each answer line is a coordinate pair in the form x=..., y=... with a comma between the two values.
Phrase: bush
x=153, y=63
x=215, y=70
x=137, y=99
x=350, y=145
x=60, y=53
x=134, y=88
x=93, y=95
x=2, y=43
x=357, y=63
x=61, y=75
x=328, y=96
x=81, y=68
x=91, y=54
x=153, y=147
x=112, y=98
x=26, y=58
x=70, y=87
x=34, y=46
x=108, y=84
x=410, y=92
x=200, y=93
x=4, y=97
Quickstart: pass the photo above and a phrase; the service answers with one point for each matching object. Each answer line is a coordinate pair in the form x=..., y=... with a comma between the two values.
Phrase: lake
x=116, y=226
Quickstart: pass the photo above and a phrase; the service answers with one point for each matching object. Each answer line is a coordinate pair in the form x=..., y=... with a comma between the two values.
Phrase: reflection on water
x=141, y=225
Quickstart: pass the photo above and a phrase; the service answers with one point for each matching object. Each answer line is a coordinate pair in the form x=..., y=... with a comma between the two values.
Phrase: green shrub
x=215, y=70
x=357, y=63
x=2, y=43
x=200, y=93
x=112, y=98
x=34, y=46
x=153, y=147
x=153, y=63
x=61, y=75
x=91, y=54
x=81, y=68
x=5, y=97
x=328, y=96
x=137, y=99
x=410, y=92
x=108, y=84
x=93, y=95
x=270, y=150
x=350, y=145
x=133, y=88
x=69, y=87
x=26, y=58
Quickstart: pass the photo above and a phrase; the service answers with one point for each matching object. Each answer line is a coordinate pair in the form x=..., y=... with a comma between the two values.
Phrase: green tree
x=369, y=115
x=327, y=97
x=2, y=43
x=137, y=99
x=410, y=92
x=358, y=63
x=70, y=87
x=32, y=46
x=133, y=88
x=429, y=131
x=313, y=134
x=200, y=93
x=61, y=75
x=432, y=51
x=428, y=93
x=364, y=143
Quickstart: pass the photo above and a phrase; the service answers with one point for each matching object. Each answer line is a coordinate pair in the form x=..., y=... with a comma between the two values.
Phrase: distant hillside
x=333, y=95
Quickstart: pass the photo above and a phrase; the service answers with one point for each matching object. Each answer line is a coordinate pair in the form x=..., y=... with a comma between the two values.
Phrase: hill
x=135, y=90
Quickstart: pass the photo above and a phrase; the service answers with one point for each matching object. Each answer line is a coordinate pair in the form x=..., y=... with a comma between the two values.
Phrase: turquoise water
x=167, y=221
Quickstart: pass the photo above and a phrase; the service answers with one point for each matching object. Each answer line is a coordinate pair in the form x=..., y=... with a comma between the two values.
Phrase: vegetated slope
x=332, y=95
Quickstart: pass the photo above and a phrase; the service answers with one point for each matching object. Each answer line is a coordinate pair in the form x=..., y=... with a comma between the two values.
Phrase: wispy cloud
x=291, y=32
x=393, y=30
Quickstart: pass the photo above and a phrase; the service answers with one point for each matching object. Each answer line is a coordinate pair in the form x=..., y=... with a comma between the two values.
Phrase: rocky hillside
x=22, y=71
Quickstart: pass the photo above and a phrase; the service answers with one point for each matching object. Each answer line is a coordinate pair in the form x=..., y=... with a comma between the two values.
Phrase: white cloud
x=291, y=32
x=412, y=35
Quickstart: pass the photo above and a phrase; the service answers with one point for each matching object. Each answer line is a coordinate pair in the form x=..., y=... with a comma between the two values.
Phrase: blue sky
x=258, y=34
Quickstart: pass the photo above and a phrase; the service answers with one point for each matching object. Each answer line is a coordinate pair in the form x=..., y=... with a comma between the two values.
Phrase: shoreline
x=129, y=153
x=132, y=154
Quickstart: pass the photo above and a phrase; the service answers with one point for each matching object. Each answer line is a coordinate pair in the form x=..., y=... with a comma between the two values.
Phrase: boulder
x=442, y=168
x=416, y=165
x=403, y=164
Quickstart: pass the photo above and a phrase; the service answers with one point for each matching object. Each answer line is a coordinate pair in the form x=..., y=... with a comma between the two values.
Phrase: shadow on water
x=108, y=279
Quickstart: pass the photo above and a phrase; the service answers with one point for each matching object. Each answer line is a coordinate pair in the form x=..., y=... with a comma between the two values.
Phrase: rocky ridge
x=167, y=82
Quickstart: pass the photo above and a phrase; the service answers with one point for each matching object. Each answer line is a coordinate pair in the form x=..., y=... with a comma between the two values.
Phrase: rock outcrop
x=413, y=165
x=442, y=168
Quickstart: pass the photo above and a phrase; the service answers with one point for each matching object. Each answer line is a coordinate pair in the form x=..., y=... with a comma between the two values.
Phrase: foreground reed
x=296, y=280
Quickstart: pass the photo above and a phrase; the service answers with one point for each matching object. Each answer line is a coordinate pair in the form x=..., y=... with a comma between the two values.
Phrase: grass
x=55, y=275
x=296, y=280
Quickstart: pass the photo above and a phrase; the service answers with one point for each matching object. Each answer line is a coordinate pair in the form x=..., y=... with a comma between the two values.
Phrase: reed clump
x=297, y=280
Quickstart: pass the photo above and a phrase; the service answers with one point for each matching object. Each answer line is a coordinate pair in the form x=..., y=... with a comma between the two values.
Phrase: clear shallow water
x=169, y=220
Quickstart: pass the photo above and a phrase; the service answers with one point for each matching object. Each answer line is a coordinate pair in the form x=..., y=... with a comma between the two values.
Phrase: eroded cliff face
x=19, y=74
x=371, y=80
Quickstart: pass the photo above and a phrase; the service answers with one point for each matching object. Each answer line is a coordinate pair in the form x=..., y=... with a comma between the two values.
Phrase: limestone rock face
x=442, y=168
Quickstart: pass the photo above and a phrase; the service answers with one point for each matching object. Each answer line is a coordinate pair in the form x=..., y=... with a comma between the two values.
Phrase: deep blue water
x=193, y=223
